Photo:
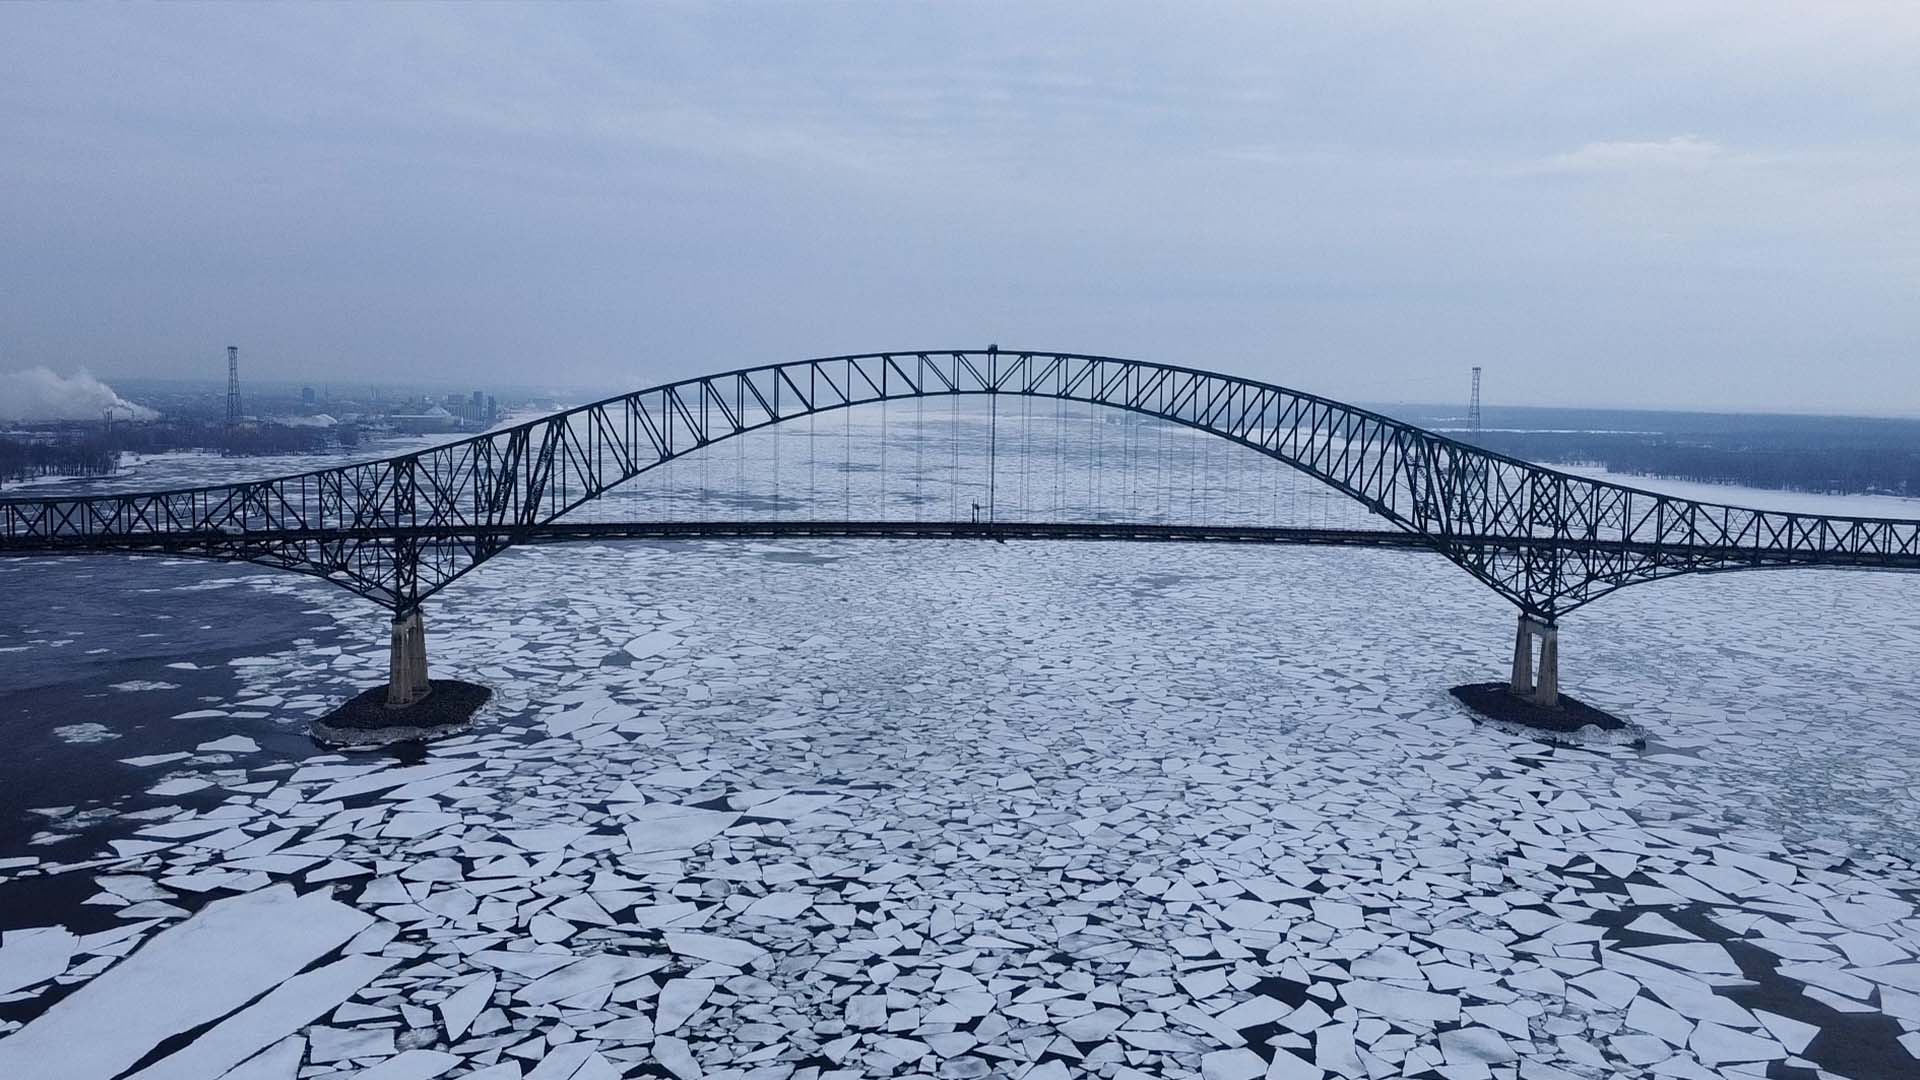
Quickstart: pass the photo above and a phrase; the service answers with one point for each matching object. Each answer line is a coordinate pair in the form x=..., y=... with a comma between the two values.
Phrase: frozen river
x=957, y=810
x=839, y=809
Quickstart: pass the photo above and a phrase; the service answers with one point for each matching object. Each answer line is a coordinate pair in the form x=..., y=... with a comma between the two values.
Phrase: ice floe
x=966, y=811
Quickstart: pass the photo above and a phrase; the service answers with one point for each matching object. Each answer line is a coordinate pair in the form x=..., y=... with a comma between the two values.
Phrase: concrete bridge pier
x=407, y=670
x=409, y=709
x=1541, y=684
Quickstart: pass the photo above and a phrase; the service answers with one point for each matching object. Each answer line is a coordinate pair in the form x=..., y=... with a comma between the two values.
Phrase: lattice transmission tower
x=1473, y=409
x=233, y=385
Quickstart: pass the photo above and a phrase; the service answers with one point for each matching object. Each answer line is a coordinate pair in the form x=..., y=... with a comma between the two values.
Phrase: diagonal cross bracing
x=399, y=529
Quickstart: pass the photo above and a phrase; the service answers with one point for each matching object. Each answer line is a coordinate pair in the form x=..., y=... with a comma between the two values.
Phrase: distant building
x=477, y=410
x=433, y=419
x=474, y=411
x=306, y=396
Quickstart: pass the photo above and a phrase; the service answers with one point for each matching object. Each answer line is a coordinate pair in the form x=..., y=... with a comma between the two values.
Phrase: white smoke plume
x=38, y=394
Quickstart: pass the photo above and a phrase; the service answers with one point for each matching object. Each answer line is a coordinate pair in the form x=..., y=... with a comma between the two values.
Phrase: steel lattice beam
x=400, y=529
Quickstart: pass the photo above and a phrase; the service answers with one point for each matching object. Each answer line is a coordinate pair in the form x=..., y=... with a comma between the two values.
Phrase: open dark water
x=98, y=660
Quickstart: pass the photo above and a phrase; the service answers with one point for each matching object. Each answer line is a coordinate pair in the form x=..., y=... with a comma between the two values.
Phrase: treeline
x=198, y=435
x=96, y=452
x=22, y=459
x=1845, y=470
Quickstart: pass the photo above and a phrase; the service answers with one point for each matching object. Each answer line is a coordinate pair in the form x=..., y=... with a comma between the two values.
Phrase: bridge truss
x=400, y=529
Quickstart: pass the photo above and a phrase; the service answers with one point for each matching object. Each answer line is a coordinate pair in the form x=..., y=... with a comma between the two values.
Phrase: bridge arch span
x=399, y=529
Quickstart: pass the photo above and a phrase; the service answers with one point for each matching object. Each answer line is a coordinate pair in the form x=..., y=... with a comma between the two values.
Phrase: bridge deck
x=232, y=545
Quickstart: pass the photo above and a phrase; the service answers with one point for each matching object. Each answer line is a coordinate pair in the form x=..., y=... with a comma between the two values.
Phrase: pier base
x=407, y=668
x=410, y=708
x=367, y=720
x=1530, y=702
x=1539, y=684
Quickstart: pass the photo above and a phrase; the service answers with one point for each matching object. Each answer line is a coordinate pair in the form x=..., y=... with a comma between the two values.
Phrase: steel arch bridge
x=398, y=530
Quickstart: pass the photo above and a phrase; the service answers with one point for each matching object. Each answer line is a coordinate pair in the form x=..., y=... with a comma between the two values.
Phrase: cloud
x=39, y=394
x=641, y=190
x=1679, y=154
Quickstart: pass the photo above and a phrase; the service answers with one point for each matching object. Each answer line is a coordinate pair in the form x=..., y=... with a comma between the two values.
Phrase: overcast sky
x=1698, y=205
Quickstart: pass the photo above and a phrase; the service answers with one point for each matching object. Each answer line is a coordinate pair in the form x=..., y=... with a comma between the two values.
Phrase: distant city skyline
x=1706, y=206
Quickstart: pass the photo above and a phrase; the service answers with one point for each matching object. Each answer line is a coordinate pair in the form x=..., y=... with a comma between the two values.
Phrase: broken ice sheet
x=187, y=975
x=33, y=956
x=1085, y=839
x=671, y=827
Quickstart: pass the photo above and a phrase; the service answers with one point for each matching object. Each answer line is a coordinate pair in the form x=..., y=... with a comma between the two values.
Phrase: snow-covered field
x=1041, y=810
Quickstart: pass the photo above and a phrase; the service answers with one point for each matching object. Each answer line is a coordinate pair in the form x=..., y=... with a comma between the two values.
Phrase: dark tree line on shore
x=96, y=452
x=1847, y=470
x=21, y=459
